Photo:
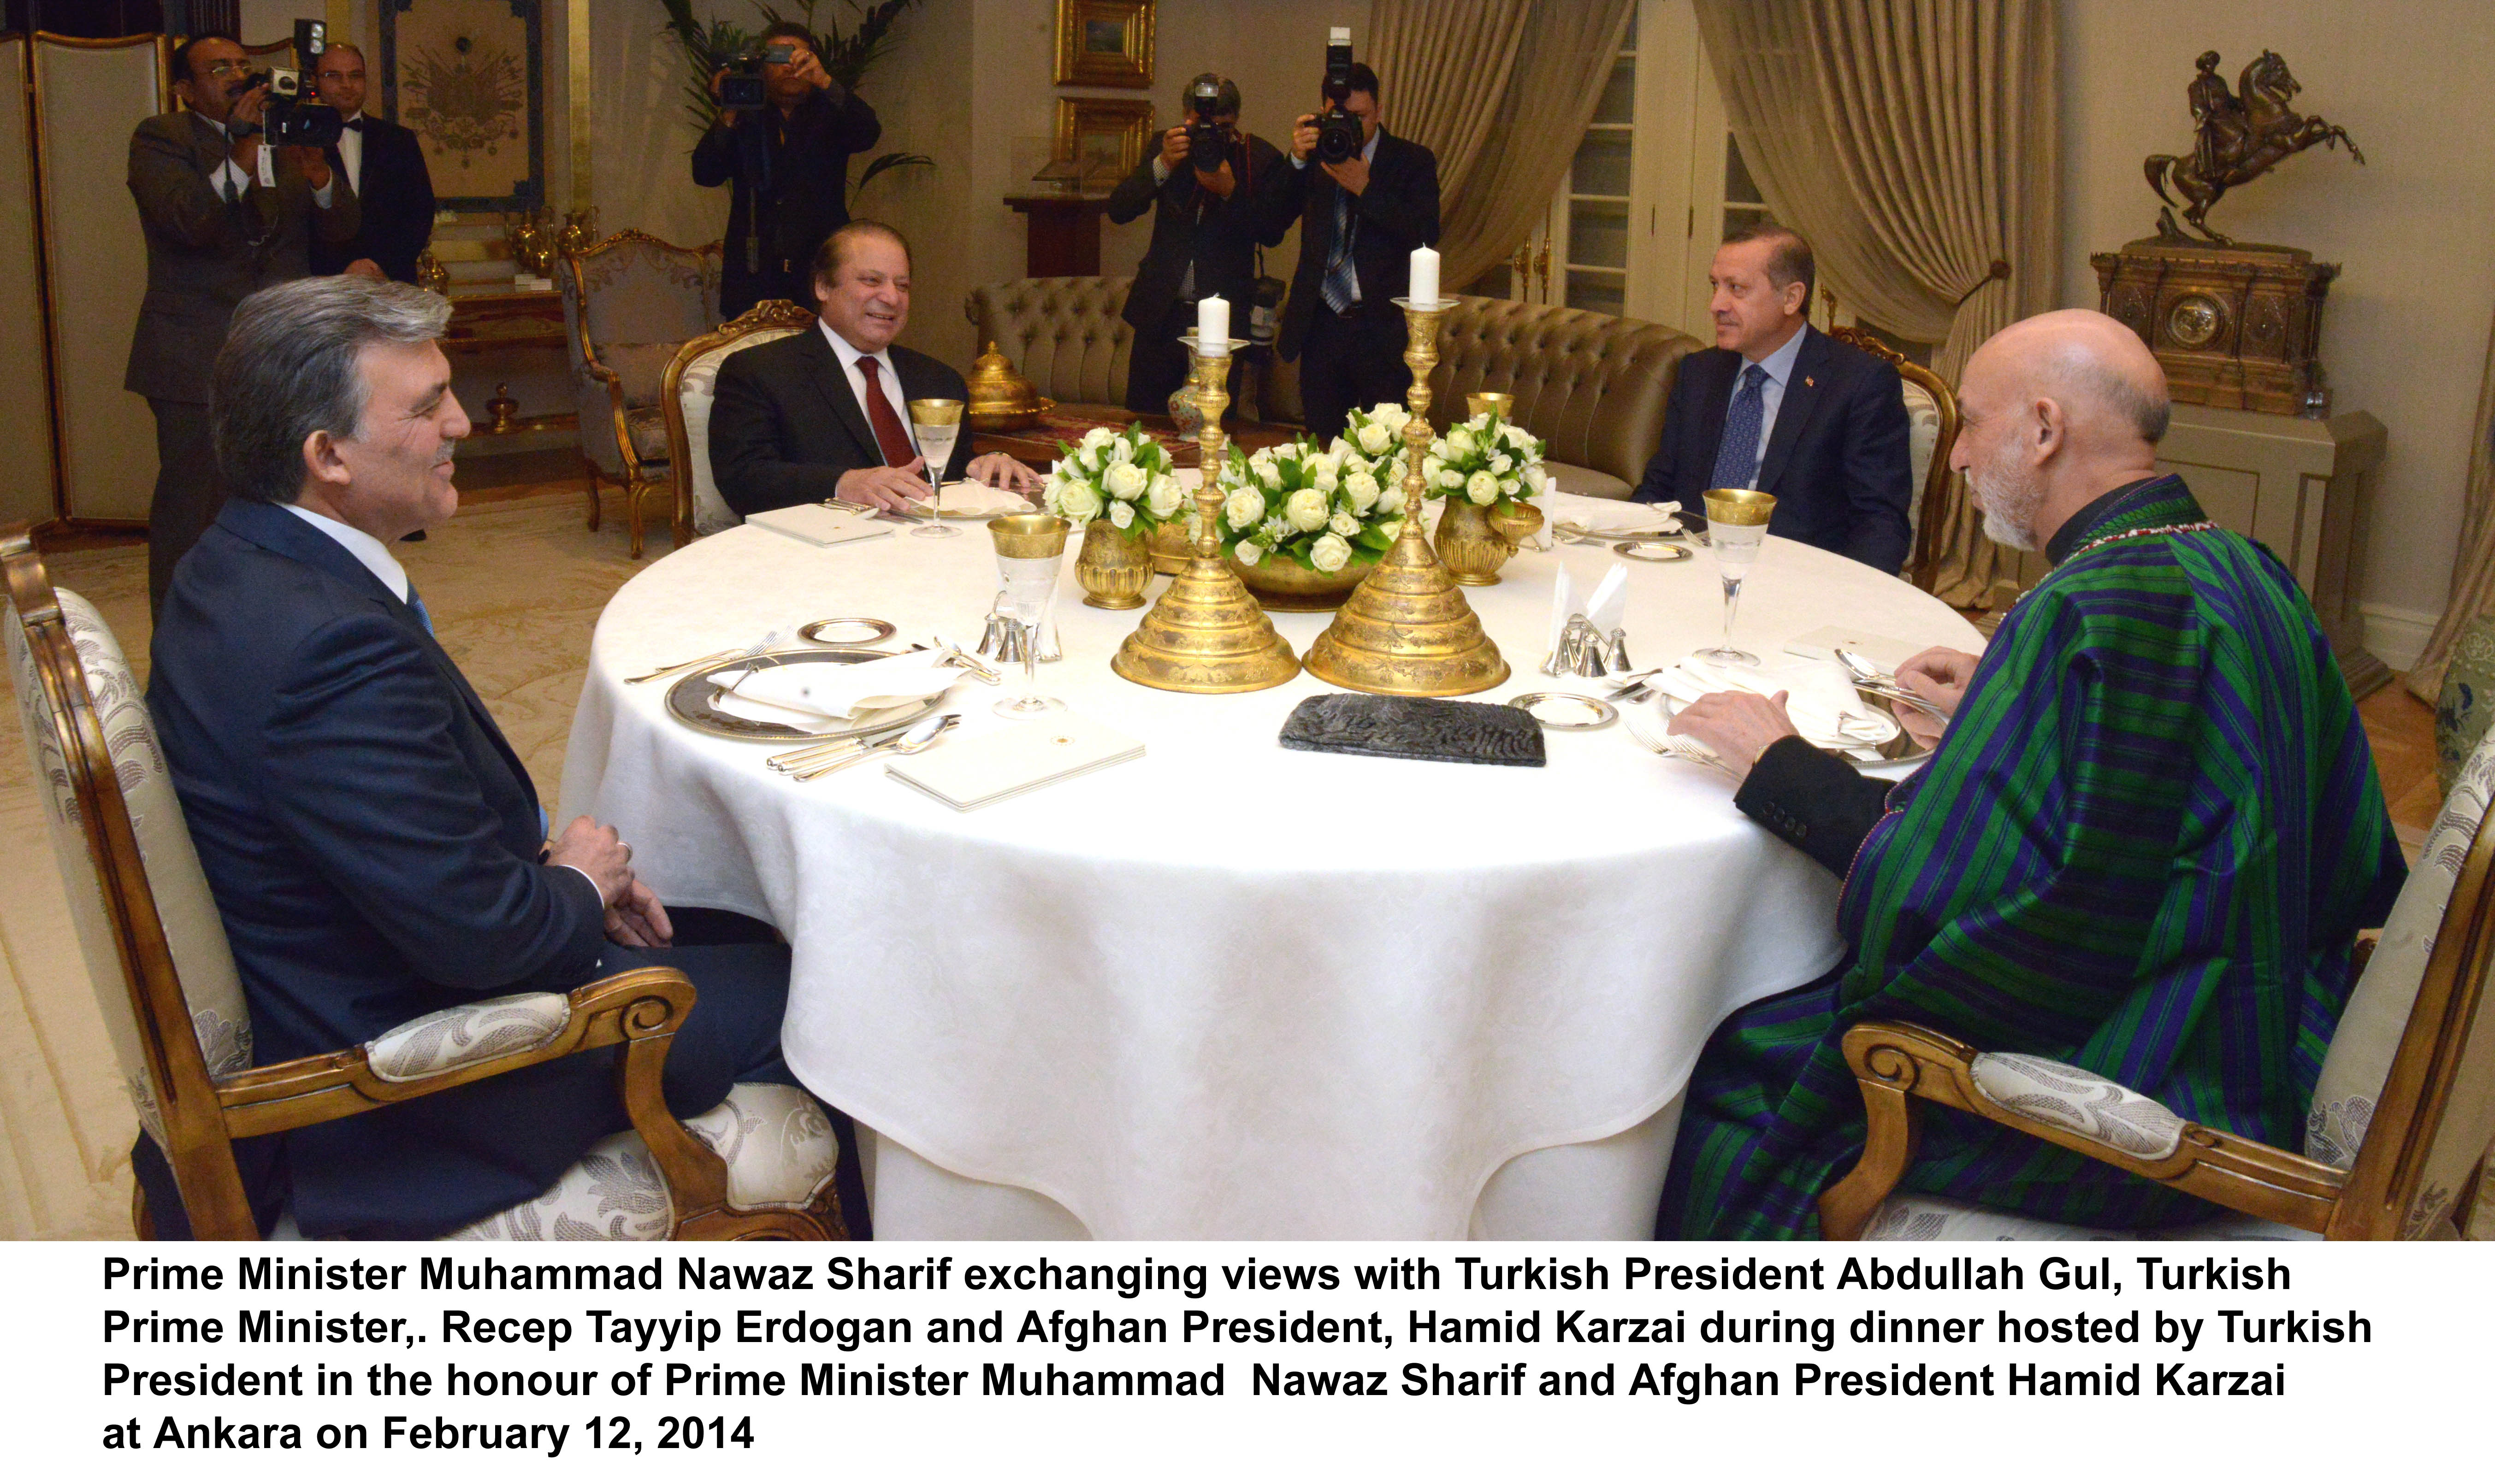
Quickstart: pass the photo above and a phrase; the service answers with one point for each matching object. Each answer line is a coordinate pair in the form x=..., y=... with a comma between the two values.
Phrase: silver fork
x=917, y=739
x=721, y=656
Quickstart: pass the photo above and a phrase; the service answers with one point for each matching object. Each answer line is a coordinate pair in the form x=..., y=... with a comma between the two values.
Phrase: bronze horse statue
x=2239, y=134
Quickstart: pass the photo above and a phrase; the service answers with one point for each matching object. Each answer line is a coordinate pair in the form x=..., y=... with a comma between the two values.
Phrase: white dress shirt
x=364, y=548
x=1778, y=366
x=351, y=152
x=848, y=356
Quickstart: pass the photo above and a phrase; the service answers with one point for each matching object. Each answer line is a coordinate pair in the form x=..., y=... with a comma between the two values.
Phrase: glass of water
x=937, y=422
x=1737, y=526
x=1029, y=550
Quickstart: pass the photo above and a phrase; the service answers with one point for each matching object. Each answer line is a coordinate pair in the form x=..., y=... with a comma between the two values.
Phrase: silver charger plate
x=688, y=700
x=870, y=631
x=1564, y=710
x=1654, y=551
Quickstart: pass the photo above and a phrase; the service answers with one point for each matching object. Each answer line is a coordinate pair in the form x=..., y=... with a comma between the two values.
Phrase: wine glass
x=1736, y=524
x=1029, y=550
x=937, y=422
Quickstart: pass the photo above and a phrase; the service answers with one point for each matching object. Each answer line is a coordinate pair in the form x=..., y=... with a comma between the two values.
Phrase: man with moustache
x=386, y=165
x=1778, y=407
x=822, y=415
x=2144, y=846
x=376, y=848
x=224, y=218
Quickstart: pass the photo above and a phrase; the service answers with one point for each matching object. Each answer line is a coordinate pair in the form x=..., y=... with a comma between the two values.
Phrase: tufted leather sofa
x=1592, y=384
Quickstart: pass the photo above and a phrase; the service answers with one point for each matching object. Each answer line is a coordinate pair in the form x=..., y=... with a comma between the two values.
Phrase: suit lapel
x=831, y=379
x=1712, y=393
x=267, y=527
x=1802, y=392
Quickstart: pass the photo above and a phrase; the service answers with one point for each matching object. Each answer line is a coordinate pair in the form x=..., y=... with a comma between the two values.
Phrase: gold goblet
x=937, y=422
x=1737, y=526
x=1030, y=550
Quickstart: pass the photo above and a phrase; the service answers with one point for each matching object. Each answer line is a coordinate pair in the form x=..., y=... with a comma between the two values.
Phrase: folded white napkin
x=1625, y=515
x=842, y=692
x=1819, y=697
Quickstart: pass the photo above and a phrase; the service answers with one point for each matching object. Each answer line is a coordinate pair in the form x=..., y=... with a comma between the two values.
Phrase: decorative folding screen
x=89, y=95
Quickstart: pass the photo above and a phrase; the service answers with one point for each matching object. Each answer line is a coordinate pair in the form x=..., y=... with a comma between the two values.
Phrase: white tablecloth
x=1229, y=989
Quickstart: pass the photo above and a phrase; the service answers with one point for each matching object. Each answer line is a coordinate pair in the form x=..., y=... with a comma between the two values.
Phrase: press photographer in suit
x=1206, y=230
x=1778, y=407
x=788, y=167
x=825, y=413
x=1358, y=222
x=386, y=165
x=224, y=218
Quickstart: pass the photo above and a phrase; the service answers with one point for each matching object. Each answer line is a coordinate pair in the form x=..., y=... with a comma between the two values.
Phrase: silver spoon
x=917, y=739
x=1872, y=678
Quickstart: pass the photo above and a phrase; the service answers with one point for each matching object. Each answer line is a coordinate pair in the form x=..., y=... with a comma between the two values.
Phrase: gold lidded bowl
x=1003, y=399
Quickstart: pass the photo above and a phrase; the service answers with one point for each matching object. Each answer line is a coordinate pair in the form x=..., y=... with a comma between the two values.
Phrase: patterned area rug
x=514, y=588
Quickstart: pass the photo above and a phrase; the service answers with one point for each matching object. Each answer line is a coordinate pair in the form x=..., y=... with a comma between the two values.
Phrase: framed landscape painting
x=1104, y=137
x=1105, y=42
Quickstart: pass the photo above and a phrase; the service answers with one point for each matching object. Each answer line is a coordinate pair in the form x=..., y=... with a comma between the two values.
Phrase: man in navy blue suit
x=1780, y=407
x=375, y=846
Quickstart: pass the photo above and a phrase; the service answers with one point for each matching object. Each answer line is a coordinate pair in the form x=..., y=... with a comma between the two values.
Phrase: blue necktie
x=1341, y=287
x=1737, y=458
x=415, y=605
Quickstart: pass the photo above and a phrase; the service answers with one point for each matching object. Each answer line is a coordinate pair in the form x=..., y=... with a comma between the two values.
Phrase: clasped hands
x=634, y=917
x=1740, y=726
x=887, y=487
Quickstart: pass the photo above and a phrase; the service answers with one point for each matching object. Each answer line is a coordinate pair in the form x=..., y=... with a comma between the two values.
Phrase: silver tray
x=688, y=700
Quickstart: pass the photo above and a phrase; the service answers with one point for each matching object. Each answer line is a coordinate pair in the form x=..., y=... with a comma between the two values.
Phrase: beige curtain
x=1501, y=91
x=2472, y=573
x=1914, y=142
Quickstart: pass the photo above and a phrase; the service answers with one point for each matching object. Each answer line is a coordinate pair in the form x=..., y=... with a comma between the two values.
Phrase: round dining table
x=1230, y=989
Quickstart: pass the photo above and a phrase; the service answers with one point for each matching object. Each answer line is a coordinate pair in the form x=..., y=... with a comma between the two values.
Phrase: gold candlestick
x=1206, y=636
x=1408, y=630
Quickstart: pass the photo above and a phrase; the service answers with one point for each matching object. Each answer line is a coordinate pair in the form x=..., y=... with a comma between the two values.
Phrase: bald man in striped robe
x=2144, y=847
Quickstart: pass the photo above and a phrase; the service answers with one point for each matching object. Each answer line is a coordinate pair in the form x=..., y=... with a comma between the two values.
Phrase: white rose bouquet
x=1488, y=461
x=1322, y=509
x=1125, y=478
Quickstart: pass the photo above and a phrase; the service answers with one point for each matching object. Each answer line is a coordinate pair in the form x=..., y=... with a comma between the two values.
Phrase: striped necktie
x=1736, y=457
x=1342, y=283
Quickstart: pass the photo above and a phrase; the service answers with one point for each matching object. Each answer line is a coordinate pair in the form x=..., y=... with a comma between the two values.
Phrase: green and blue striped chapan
x=2144, y=848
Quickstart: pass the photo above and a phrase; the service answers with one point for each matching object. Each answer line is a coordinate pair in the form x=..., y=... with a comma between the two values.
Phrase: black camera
x=1338, y=129
x=742, y=88
x=1207, y=144
x=292, y=115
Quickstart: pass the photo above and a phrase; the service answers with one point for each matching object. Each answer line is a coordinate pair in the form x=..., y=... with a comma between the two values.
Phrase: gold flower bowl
x=1283, y=585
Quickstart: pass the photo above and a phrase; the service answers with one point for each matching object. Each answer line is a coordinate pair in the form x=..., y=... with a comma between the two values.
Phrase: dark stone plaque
x=1402, y=726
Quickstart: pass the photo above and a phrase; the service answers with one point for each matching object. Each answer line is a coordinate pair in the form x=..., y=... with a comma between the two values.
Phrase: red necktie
x=888, y=432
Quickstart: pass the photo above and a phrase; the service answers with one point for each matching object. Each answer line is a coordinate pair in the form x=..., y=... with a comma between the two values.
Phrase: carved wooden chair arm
x=639, y=1010
x=1896, y=1064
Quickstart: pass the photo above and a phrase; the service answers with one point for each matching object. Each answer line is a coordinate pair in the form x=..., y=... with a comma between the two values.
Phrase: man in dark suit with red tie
x=1778, y=407
x=386, y=165
x=819, y=415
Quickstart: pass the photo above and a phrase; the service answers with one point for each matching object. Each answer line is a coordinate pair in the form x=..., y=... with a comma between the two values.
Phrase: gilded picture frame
x=1105, y=42
x=469, y=77
x=1105, y=136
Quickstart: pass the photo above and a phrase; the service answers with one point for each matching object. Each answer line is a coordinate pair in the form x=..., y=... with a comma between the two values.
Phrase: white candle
x=1213, y=323
x=1425, y=276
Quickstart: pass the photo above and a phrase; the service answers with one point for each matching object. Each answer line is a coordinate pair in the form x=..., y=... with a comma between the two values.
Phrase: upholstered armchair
x=628, y=303
x=2395, y=1142
x=1932, y=430
x=686, y=390
x=760, y=1164
x=1063, y=333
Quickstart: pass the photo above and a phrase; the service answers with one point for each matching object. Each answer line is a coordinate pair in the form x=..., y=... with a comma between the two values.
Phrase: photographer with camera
x=1206, y=187
x=1364, y=199
x=227, y=213
x=783, y=137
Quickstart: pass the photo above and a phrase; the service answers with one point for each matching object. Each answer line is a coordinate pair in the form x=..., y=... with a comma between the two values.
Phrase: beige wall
x=2405, y=334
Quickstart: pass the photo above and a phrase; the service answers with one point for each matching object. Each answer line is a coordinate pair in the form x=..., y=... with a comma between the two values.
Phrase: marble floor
x=514, y=585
